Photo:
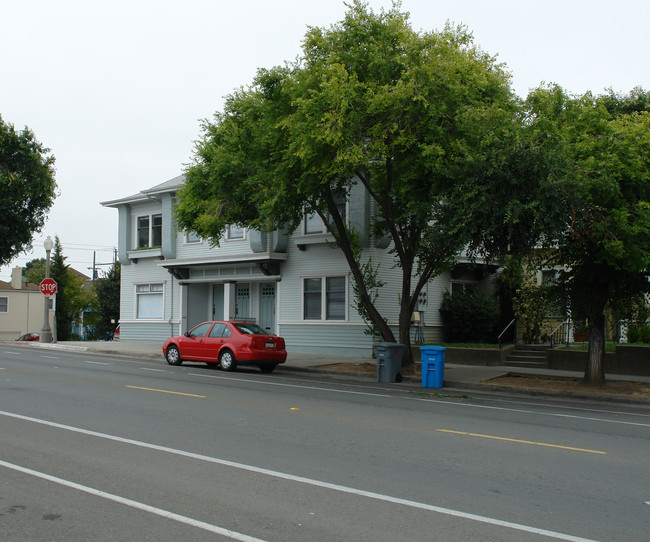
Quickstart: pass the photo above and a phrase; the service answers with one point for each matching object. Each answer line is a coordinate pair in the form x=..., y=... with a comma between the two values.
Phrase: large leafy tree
x=27, y=189
x=426, y=122
x=605, y=247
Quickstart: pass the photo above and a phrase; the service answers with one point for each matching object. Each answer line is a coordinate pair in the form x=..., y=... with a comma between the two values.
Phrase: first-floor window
x=4, y=304
x=149, y=301
x=324, y=298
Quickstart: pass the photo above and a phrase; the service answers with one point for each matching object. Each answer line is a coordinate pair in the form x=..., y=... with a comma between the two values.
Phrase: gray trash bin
x=389, y=362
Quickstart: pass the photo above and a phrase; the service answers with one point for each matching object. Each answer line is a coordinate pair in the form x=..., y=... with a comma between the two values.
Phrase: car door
x=192, y=345
x=213, y=342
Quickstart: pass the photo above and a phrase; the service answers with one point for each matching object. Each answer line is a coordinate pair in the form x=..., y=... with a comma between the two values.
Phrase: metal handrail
x=504, y=330
x=566, y=325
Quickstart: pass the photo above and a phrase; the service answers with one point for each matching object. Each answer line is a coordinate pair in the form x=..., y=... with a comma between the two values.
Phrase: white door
x=267, y=306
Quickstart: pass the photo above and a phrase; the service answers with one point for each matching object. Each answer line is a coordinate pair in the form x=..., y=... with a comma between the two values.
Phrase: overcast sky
x=116, y=89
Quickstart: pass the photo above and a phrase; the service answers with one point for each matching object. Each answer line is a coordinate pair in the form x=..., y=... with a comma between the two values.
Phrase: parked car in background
x=229, y=344
x=29, y=337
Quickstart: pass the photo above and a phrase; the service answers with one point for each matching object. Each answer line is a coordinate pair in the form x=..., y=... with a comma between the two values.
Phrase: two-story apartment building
x=296, y=285
x=21, y=307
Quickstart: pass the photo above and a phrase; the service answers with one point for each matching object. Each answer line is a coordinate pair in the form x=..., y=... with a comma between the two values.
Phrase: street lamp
x=46, y=332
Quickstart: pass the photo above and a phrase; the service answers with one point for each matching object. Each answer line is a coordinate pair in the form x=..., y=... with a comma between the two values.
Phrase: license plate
x=270, y=346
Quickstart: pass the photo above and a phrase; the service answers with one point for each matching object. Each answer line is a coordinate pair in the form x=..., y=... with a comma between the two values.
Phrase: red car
x=29, y=337
x=228, y=344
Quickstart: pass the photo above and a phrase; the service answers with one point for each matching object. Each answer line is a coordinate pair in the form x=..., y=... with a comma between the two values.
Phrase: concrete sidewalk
x=455, y=375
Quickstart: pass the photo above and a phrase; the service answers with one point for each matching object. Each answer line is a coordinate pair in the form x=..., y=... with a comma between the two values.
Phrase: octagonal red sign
x=48, y=287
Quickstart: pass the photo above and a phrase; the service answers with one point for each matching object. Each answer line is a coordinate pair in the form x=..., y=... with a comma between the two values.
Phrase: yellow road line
x=166, y=391
x=522, y=441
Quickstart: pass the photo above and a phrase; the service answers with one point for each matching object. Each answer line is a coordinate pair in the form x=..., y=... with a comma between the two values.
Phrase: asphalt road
x=98, y=447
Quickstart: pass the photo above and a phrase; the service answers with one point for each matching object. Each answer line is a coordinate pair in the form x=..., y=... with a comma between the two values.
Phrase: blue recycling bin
x=433, y=366
x=389, y=362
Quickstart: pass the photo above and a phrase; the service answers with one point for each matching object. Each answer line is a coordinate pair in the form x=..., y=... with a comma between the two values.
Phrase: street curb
x=55, y=346
x=369, y=377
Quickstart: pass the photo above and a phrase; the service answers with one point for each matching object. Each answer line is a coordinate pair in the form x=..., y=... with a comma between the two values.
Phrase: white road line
x=96, y=362
x=50, y=357
x=134, y=504
x=426, y=400
x=308, y=481
x=155, y=370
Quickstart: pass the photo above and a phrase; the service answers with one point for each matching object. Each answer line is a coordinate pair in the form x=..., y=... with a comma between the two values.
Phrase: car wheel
x=267, y=367
x=173, y=356
x=227, y=360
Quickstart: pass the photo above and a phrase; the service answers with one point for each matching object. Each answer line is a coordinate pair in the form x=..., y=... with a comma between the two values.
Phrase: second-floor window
x=235, y=232
x=4, y=304
x=149, y=231
x=314, y=223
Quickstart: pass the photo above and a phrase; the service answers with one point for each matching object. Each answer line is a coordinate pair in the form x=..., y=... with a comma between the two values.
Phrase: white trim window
x=235, y=232
x=149, y=231
x=4, y=304
x=324, y=298
x=191, y=238
x=313, y=223
x=149, y=301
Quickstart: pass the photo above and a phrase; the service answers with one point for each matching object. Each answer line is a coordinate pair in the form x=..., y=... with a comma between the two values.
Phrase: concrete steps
x=528, y=355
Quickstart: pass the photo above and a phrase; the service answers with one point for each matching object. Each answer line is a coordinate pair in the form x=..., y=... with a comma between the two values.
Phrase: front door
x=217, y=302
x=267, y=306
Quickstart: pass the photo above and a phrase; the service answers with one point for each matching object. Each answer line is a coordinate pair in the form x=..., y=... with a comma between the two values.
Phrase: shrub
x=469, y=316
x=638, y=334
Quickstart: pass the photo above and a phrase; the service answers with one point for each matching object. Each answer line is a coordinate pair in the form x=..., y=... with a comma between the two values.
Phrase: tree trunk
x=595, y=371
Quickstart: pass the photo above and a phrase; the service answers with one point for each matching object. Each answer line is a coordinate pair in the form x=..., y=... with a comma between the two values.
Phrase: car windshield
x=251, y=329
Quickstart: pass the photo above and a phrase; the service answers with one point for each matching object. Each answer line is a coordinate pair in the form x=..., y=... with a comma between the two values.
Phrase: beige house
x=21, y=307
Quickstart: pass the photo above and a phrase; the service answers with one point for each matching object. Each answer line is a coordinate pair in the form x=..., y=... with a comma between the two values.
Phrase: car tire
x=227, y=360
x=173, y=356
x=267, y=367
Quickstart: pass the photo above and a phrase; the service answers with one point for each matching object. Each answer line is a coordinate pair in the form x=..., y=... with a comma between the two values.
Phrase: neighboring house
x=21, y=307
x=295, y=285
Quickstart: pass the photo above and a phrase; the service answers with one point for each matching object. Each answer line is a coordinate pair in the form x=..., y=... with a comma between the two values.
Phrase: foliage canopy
x=425, y=122
x=27, y=189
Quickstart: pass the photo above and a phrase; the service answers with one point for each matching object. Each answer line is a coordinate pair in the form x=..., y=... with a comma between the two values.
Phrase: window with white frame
x=4, y=304
x=324, y=298
x=149, y=231
x=192, y=237
x=235, y=232
x=314, y=223
x=463, y=287
x=149, y=301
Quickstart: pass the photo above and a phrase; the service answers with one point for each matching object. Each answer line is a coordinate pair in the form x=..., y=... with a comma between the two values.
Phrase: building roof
x=26, y=286
x=171, y=185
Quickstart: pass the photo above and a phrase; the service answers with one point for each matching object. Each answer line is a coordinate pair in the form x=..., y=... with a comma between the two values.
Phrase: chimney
x=17, y=278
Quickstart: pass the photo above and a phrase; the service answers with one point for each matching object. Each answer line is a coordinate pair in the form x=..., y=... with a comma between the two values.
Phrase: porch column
x=229, y=300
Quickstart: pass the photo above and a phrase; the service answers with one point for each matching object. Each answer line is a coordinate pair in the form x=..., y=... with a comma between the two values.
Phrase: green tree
x=107, y=294
x=35, y=270
x=605, y=247
x=72, y=298
x=424, y=122
x=27, y=189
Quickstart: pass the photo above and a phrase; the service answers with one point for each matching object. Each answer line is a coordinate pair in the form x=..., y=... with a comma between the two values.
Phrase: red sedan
x=228, y=344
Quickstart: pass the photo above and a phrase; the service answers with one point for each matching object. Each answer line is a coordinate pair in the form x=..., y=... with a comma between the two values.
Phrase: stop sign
x=48, y=287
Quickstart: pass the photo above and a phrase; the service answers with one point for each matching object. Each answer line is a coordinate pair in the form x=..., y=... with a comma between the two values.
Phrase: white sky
x=116, y=89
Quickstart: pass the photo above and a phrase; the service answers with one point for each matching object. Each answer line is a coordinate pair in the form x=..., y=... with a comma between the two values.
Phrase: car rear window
x=251, y=329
